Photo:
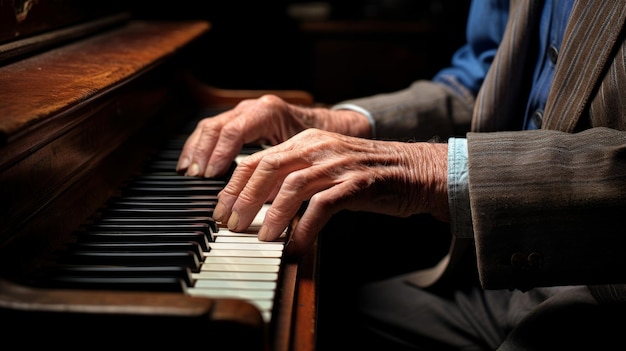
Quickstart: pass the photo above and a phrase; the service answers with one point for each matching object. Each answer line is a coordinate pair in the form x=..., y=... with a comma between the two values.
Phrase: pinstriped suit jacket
x=548, y=206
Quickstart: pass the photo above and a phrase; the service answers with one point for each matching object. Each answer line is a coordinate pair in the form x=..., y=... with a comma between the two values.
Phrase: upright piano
x=101, y=242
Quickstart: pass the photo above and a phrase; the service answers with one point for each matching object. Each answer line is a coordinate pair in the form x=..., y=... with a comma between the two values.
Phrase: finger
x=237, y=182
x=226, y=148
x=186, y=154
x=296, y=189
x=232, y=137
x=248, y=124
x=266, y=172
x=229, y=194
x=199, y=146
x=305, y=227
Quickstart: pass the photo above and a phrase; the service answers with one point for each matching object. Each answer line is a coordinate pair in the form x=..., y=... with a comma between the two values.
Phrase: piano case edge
x=139, y=316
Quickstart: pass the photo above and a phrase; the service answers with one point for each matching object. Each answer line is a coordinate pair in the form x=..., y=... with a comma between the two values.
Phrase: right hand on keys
x=333, y=172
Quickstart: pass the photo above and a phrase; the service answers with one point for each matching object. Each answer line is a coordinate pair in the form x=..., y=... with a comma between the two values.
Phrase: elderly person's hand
x=333, y=172
x=213, y=145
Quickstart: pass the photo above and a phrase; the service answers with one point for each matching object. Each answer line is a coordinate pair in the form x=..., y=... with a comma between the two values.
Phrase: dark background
x=353, y=48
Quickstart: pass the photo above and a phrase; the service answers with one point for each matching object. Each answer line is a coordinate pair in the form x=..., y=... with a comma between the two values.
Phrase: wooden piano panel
x=24, y=18
x=66, y=116
x=27, y=26
x=75, y=122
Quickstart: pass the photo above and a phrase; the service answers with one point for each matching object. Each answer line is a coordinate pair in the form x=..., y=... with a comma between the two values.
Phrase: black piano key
x=161, y=220
x=168, y=154
x=170, y=228
x=150, y=222
x=176, y=177
x=156, y=284
x=99, y=271
x=156, y=213
x=199, y=182
x=249, y=149
x=162, y=166
x=178, y=143
x=156, y=198
x=145, y=259
x=188, y=246
x=155, y=204
x=146, y=237
x=192, y=190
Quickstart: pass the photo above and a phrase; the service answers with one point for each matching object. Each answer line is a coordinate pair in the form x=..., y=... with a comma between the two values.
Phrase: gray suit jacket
x=548, y=206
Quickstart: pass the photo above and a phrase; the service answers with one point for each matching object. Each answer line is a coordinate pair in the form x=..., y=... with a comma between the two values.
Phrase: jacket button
x=537, y=118
x=519, y=260
x=553, y=53
x=535, y=260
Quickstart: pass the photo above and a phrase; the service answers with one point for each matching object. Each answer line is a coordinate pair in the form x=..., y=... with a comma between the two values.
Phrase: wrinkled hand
x=333, y=172
x=213, y=145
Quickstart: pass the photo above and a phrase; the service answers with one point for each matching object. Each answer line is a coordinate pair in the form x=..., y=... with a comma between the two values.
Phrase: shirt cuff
x=361, y=110
x=458, y=189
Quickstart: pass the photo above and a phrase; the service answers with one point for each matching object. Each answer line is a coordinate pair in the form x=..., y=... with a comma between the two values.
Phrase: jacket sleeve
x=548, y=207
x=423, y=111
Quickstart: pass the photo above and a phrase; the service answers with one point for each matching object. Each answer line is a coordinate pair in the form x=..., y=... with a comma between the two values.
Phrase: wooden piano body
x=76, y=120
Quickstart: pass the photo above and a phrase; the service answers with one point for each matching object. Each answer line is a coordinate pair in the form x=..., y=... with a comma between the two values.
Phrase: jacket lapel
x=590, y=37
x=496, y=105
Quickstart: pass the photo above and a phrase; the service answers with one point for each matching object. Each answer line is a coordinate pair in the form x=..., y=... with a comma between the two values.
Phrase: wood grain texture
x=42, y=86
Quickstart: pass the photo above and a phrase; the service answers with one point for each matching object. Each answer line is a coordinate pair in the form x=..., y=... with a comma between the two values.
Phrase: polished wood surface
x=66, y=113
x=76, y=122
x=42, y=86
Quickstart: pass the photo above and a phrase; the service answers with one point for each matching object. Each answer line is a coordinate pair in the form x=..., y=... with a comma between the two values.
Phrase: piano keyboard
x=158, y=235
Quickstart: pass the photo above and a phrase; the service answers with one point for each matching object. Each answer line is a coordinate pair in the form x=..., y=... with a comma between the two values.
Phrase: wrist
x=349, y=122
x=431, y=174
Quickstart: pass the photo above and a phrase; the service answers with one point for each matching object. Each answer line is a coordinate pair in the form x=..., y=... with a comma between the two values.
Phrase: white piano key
x=238, y=293
x=245, y=253
x=264, y=305
x=235, y=284
x=240, y=265
x=243, y=239
x=239, y=268
x=235, y=275
x=257, y=222
x=223, y=231
x=246, y=246
x=250, y=233
x=241, y=260
x=266, y=315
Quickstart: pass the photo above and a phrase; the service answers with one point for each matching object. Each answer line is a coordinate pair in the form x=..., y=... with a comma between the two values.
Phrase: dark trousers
x=366, y=302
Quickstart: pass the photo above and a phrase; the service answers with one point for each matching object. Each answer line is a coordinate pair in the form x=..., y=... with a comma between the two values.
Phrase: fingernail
x=184, y=163
x=218, y=212
x=233, y=220
x=262, y=234
x=193, y=170
x=210, y=172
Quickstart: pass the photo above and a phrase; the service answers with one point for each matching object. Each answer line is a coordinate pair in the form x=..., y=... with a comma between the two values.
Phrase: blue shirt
x=485, y=27
x=486, y=23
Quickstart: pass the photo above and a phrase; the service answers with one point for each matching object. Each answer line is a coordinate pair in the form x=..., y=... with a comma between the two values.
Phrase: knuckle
x=295, y=181
x=232, y=131
x=270, y=100
x=324, y=203
x=271, y=162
